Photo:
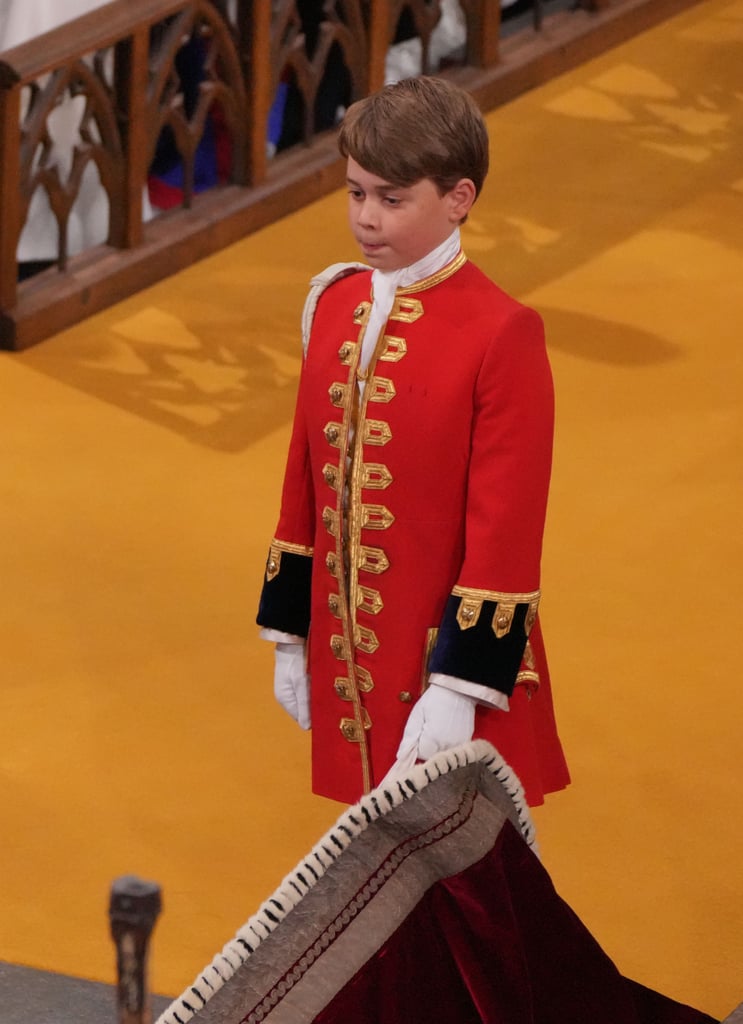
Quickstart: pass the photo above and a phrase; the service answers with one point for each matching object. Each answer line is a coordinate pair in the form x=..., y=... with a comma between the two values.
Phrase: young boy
x=413, y=505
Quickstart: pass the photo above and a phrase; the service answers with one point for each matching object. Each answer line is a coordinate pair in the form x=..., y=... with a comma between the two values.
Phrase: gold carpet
x=141, y=457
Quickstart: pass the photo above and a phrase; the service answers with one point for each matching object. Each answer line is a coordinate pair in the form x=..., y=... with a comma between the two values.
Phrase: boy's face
x=397, y=226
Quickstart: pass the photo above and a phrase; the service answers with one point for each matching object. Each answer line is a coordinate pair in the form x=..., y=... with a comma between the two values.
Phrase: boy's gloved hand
x=441, y=719
x=291, y=684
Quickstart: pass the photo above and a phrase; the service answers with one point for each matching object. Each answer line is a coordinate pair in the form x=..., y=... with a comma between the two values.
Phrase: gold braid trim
x=441, y=275
x=472, y=601
x=292, y=549
x=273, y=565
x=497, y=595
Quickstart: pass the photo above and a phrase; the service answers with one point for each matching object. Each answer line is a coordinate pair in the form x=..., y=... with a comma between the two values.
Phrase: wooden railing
x=123, y=68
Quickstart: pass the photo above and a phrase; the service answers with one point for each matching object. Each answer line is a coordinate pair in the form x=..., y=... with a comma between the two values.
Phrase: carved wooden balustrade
x=136, y=77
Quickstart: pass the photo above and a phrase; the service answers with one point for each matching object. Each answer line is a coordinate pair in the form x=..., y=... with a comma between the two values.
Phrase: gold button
x=334, y=603
x=468, y=614
x=272, y=566
x=331, y=562
x=329, y=474
x=344, y=351
x=351, y=730
x=336, y=394
x=502, y=621
x=342, y=688
x=406, y=697
x=332, y=433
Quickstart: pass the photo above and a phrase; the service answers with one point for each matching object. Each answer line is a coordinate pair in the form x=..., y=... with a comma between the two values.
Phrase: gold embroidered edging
x=496, y=595
x=432, y=636
x=441, y=275
x=292, y=549
x=472, y=600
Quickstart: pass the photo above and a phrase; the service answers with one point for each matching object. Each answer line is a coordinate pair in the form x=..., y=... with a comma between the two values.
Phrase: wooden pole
x=10, y=142
x=133, y=910
x=131, y=88
x=483, y=32
x=254, y=33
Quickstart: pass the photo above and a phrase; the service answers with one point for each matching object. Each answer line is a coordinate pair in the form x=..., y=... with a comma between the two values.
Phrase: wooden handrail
x=123, y=58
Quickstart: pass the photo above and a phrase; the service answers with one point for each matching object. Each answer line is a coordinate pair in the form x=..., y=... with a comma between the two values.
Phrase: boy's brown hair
x=418, y=128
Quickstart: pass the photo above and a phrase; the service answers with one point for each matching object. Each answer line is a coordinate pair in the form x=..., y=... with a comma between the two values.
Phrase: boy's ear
x=461, y=199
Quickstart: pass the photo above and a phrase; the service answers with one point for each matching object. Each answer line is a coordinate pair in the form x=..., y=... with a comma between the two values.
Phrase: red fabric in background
x=495, y=944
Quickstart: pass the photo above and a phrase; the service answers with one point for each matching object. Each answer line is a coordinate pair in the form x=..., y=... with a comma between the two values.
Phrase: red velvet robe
x=444, y=465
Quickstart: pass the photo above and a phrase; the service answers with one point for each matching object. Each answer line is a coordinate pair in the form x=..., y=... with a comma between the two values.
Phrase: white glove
x=291, y=684
x=441, y=719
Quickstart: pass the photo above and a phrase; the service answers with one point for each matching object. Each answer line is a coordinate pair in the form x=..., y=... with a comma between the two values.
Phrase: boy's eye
x=392, y=200
x=356, y=193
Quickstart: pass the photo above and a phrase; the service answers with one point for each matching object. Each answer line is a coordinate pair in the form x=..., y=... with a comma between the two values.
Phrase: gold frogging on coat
x=338, y=646
x=394, y=349
x=369, y=600
x=332, y=432
x=330, y=475
x=376, y=517
x=344, y=688
x=345, y=352
x=380, y=389
x=377, y=432
x=365, y=639
x=361, y=313
x=375, y=476
x=330, y=520
x=372, y=560
x=406, y=310
x=353, y=730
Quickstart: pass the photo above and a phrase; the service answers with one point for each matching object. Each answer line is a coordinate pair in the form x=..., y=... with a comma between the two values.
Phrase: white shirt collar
x=387, y=281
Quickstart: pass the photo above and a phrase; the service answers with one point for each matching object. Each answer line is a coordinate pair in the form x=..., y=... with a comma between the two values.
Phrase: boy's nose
x=369, y=214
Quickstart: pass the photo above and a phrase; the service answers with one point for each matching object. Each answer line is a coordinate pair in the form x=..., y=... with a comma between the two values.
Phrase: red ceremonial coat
x=410, y=532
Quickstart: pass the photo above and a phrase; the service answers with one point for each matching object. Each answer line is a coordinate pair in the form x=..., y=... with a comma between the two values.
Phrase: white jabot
x=386, y=283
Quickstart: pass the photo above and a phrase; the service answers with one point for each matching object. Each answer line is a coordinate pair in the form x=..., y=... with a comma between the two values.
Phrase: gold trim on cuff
x=273, y=563
x=472, y=599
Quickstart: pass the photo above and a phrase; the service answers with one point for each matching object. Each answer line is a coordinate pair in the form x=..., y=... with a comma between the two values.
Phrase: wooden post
x=254, y=28
x=133, y=911
x=10, y=166
x=483, y=32
x=380, y=32
x=132, y=57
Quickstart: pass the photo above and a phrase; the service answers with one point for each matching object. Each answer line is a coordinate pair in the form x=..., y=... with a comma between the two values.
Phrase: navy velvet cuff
x=285, y=600
x=477, y=654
